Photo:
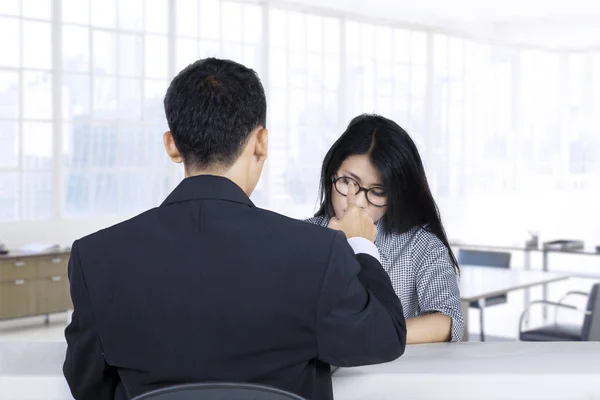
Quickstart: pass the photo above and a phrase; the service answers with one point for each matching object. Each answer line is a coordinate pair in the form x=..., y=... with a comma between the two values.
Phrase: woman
x=382, y=161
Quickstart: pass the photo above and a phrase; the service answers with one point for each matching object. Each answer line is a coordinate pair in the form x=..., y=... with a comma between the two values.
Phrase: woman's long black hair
x=395, y=156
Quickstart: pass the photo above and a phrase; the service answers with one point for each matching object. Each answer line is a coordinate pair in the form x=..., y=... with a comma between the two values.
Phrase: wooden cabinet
x=34, y=284
x=53, y=295
x=18, y=298
x=18, y=268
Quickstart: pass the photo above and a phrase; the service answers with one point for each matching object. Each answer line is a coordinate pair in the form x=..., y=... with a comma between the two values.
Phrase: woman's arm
x=431, y=328
x=440, y=317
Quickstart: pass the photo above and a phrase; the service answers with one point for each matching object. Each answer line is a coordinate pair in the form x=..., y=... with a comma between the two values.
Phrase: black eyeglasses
x=376, y=196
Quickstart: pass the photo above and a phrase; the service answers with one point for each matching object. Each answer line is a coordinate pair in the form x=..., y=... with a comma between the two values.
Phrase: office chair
x=556, y=332
x=485, y=259
x=218, y=391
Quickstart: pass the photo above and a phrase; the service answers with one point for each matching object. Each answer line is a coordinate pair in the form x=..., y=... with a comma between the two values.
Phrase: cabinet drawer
x=53, y=295
x=48, y=267
x=18, y=298
x=12, y=270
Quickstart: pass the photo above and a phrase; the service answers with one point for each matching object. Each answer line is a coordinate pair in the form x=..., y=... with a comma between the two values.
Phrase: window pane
x=384, y=79
x=383, y=43
x=232, y=22
x=10, y=49
x=187, y=52
x=130, y=14
x=9, y=196
x=105, y=53
x=9, y=94
x=187, y=17
x=130, y=55
x=37, y=145
x=76, y=49
x=352, y=38
x=418, y=82
x=76, y=97
x=251, y=58
x=104, y=193
x=36, y=45
x=296, y=31
x=401, y=46
x=76, y=11
x=37, y=8
x=278, y=71
x=367, y=42
x=278, y=28
x=9, y=144
x=418, y=43
x=105, y=98
x=298, y=69
x=314, y=30
x=130, y=99
x=210, y=16
x=209, y=49
x=315, y=71
x=154, y=93
x=157, y=156
x=252, y=24
x=137, y=191
x=9, y=7
x=130, y=146
x=157, y=56
x=76, y=200
x=104, y=13
x=332, y=73
x=38, y=198
x=331, y=35
x=233, y=52
x=401, y=80
x=37, y=96
x=157, y=12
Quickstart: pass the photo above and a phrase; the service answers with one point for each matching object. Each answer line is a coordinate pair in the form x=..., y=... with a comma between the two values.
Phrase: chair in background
x=485, y=259
x=556, y=332
x=218, y=391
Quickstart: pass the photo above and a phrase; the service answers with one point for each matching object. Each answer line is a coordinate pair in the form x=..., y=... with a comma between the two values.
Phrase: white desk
x=514, y=370
x=477, y=283
x=511, y=370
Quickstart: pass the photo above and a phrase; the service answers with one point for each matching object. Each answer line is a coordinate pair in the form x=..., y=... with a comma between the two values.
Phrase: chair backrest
x=219, y=391
x=591, y=323
x=483, y=258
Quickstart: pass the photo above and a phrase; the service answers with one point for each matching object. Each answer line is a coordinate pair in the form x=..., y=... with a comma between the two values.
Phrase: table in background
x=527, y=250
x=477, y=283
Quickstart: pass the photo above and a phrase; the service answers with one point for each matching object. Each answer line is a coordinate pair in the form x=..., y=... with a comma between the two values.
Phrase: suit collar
x=208, y=187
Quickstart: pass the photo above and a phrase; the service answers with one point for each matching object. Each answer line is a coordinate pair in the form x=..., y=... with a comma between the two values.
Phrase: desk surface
x=478, y=282
x=517, y=370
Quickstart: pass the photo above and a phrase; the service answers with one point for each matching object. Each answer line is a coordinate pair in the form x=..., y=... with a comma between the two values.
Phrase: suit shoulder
x=116, y=231
x=309, y=229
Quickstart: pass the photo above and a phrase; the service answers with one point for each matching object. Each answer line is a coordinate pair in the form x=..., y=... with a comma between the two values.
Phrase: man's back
x=208, y=287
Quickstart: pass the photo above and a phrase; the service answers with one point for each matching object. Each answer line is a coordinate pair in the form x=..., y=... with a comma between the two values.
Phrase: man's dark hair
x=212, y=106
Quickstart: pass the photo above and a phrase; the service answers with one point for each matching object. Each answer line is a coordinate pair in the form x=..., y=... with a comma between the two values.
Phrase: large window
x=507, y=133
x=27, y=131
x=114, y=64
x=304, y=115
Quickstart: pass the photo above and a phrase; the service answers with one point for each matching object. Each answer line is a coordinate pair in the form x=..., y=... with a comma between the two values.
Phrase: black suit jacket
x=208, y=288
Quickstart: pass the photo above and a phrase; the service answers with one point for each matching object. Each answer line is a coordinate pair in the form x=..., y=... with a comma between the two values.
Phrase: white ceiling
x=572, y=24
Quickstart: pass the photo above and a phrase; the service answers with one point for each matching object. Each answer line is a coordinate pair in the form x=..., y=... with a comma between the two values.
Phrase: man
x=207, y=287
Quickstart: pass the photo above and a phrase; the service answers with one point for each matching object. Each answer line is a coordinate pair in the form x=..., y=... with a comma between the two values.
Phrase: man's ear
x=261, y=149
x=171, y=148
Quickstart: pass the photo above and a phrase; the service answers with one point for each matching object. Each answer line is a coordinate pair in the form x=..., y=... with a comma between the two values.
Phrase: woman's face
x=360, y=169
